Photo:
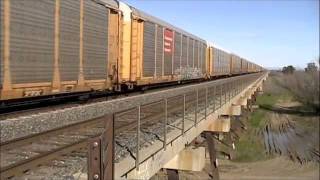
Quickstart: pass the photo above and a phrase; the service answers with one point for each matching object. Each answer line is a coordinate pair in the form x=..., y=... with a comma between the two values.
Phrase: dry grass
x=303, y=86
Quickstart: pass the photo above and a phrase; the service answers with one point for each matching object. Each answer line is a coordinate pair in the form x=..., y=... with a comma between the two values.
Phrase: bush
x=304, y=86
x=288, y=69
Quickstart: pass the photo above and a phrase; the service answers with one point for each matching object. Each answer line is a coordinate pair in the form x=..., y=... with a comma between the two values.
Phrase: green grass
x=249, y=149
x=266, y=99
x=250, y=146
x=256, y=118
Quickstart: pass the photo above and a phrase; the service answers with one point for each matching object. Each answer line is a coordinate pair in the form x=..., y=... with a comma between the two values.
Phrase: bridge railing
x=156, y=119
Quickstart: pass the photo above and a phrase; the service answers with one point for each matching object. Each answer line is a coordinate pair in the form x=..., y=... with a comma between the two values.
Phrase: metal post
x=225, y=93
x=242, y=85
x=220, y=96
x=196, y=113
x=94, y=159
x=233, y=88
x=165, y=123
x=138, y=138
x=184, y=112
x=214, y=99
x=229, y=91
x=206, y=104
x=236, y=86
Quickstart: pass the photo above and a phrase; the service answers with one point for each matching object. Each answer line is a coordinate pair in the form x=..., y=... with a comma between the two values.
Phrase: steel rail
x=35, y=137
x=10, y=106
x=26, y=165
x=33, y=162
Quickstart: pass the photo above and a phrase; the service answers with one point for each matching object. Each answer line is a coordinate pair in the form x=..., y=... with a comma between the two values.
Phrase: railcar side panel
x=184, y=57
x=209, y=62
x=113, y=48
x=148, y=49
x=190, y=53
x=221, y=62
x=31, y=41
x=215, y=62
x=1, y=44
x=227, y=60
x=203, y=58
x=95, y=41
x=69, y=40
x=227, y=63
x=200, y=62
x=159, y=49
x=235, y=65
x=177, y=52
x=168, y=63
x=196, y=54
x=244, y=66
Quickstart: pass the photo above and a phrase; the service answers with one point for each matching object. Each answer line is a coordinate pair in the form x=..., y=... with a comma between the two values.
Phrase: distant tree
x=311, y=67
x=288, y=69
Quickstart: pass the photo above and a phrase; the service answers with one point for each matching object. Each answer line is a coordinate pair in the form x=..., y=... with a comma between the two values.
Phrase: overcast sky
x=269, y=32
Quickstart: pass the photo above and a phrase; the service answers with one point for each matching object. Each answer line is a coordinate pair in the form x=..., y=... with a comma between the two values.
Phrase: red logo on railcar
x=168, y=41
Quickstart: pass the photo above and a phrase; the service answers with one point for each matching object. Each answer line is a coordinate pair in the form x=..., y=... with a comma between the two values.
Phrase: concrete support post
x=249, y=105
x=173, y=174
x=231, y=143
x=213, y=155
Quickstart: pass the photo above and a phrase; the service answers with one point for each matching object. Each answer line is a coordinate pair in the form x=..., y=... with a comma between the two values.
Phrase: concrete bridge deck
x=150, y=131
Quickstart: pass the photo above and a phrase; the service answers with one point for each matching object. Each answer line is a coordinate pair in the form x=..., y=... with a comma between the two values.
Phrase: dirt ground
x=273, y=169
x=278, y=168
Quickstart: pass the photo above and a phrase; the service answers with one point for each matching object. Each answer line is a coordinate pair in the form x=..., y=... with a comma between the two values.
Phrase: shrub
x=304, y=86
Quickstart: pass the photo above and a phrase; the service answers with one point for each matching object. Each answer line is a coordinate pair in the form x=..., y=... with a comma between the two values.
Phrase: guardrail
x=160, y=117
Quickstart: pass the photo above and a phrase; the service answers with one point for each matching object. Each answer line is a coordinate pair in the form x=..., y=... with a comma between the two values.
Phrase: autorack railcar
x=66, y=46
x=57, y=46
x=154, y=51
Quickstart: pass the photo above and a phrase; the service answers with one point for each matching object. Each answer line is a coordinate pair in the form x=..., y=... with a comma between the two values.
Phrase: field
x=281, y=138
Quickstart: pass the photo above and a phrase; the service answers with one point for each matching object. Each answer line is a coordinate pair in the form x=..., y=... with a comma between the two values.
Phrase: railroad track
x=4, y=114
x=21, y=155
x=30, y=105
x=30, y=110
x=7, y=107
x=39, y=150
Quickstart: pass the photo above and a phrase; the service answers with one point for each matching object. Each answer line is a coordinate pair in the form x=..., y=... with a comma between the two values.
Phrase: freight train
x=65, y=46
